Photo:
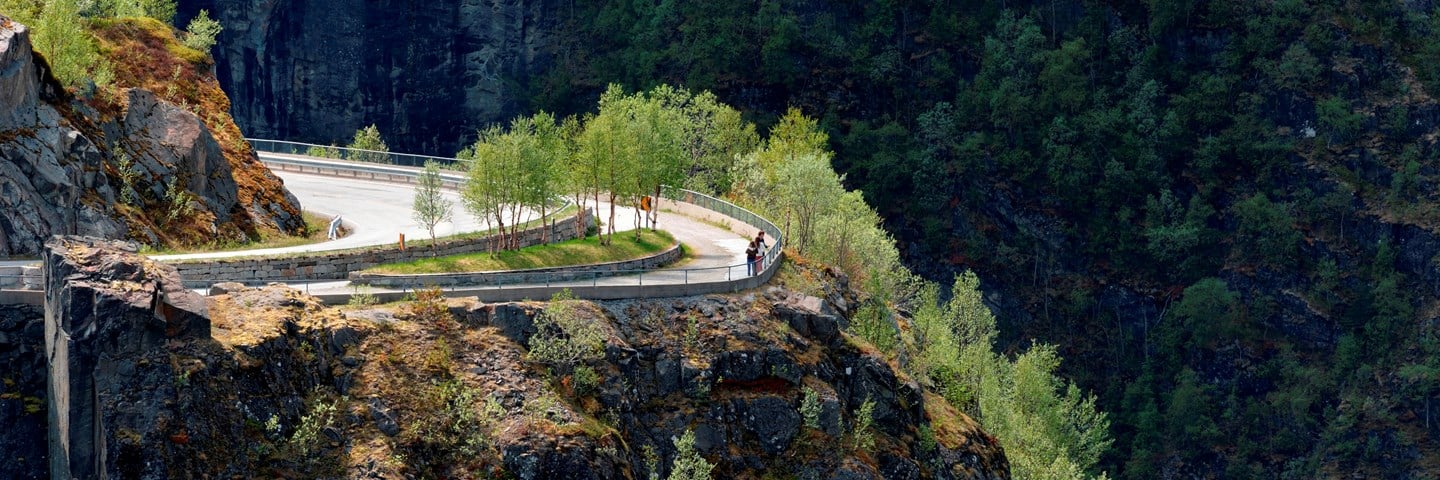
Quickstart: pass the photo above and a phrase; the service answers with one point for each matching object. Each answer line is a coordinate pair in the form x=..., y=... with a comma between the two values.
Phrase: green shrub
x=323, y=152
x=562, y=339
x=306, y=438
x=862, y=431
x=689, y=465
x=810, y=408
x=201, y=33
x=60, y=33
x=587, y=381
x=369, y=139
x=872, y=323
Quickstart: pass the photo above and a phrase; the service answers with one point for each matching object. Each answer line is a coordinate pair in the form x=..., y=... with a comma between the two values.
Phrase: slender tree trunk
x=580, y=214
x=655, y=209
x=599, y=233
x=515, y=227
x=544, y=232
x=498, y=238
x=610, y=226
x=639, y=219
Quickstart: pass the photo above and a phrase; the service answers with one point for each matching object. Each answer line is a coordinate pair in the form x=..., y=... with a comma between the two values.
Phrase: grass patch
x=315, y=229
x=574, y=252
x=565, y=212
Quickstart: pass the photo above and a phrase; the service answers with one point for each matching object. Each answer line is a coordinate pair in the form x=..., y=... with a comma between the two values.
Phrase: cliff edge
x=148, y=380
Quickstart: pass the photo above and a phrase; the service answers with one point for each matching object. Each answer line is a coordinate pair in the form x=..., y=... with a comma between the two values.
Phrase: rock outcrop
x=428, y=73
x=148, y=380
x=176, y=144
x=51, y=175
x=108, y=315
x=142, y=384
x=149, y=169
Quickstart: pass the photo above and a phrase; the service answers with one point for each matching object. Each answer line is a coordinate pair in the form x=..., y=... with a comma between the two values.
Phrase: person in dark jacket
x=751, y=251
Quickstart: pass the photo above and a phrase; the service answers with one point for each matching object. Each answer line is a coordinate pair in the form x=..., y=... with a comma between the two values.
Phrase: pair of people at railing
x=755, y=254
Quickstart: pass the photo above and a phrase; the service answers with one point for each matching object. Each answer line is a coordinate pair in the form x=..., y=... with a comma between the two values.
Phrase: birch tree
x=711, y=135
x=430, y=206
x=599, y=146
x=488, y=184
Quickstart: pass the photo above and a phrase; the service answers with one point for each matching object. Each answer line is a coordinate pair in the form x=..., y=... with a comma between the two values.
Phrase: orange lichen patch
x=952, y=428
x=254, y=316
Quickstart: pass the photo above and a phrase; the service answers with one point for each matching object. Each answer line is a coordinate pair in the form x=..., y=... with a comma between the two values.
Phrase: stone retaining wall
x=338, y=264
x=511, y=277
x=21, y=278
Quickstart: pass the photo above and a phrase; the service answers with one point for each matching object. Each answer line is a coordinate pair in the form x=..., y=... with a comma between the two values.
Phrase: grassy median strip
x=574, y=252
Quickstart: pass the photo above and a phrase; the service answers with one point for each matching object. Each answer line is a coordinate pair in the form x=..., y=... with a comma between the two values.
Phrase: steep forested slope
x=1223, y=212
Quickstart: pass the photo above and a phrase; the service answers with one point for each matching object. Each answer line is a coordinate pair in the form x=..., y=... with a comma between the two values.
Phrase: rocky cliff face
x=147, y=380
x=138, y=382
x=139, y=162
x=22, y=392
x=51, y=175
x=428, y=73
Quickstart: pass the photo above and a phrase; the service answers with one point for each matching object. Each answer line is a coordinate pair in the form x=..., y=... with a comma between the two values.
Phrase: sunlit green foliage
x=162, y=10
x=430, y=206
x=688, y=464
x=1049, y=428
x=564, y=339
x=371, y=146
x=59, y=32
x=201, y=32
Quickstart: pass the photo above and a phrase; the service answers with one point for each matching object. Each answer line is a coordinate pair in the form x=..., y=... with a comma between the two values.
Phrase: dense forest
x=1222, y=212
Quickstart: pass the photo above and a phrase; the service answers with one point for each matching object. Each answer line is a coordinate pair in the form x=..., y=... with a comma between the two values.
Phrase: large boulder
x=174, y=143
x=19, y=85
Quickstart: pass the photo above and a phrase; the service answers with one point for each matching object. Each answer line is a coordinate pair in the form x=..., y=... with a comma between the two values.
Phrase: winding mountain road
x=377, y=212
x=382, y=210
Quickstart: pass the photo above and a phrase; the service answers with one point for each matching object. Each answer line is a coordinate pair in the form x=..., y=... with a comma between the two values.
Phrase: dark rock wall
x=108, y=317
x=427, y=73
x=22, y=392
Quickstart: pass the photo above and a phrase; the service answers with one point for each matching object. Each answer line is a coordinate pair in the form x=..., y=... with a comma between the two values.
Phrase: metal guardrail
x=345, y=168
x=353, y=154
x=687, y=276
x=772, y=253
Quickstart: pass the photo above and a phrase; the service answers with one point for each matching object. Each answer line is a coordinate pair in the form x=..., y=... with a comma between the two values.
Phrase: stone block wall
x=338, y=265
x=535, y=275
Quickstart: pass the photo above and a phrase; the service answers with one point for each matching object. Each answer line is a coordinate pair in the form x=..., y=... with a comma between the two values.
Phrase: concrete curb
x=533, y=275
x=599, y=292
